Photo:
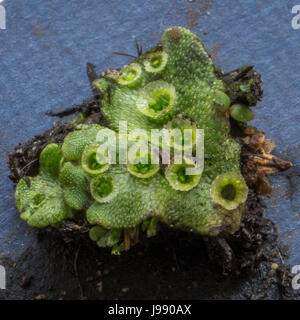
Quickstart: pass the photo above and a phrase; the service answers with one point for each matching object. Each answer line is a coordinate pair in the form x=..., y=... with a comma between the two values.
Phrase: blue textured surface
x=43, y=55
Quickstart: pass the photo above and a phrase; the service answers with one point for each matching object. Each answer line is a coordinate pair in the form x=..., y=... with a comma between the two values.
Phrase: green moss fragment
x=221, y=100
x=151, y=227
x=241, y=113
x=106, y=238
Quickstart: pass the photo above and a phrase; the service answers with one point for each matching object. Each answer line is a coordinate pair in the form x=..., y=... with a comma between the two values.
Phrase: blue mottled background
x=43, y=55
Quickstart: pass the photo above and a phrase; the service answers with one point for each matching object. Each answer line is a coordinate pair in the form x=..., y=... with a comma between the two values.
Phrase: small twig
x=109, y=93
x=28, y=183
x=64, y=113
x=14, y=167
x=137, y=235
x=243, y=73
x=139, y=48
x=280, y=256
x=76, y=272
x=91, y=72
x=29, y=164
x=175, y=258
x=92, y=76
x=124, y=54
x=126, y=240
x=87, y=185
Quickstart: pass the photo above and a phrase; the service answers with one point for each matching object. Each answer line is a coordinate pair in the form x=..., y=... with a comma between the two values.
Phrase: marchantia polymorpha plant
x=174, y=85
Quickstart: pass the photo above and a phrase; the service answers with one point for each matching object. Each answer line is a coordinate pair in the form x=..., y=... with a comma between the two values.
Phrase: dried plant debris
x=61, y=186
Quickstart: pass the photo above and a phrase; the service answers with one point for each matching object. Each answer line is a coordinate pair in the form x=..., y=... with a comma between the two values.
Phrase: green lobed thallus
x=172, y=86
